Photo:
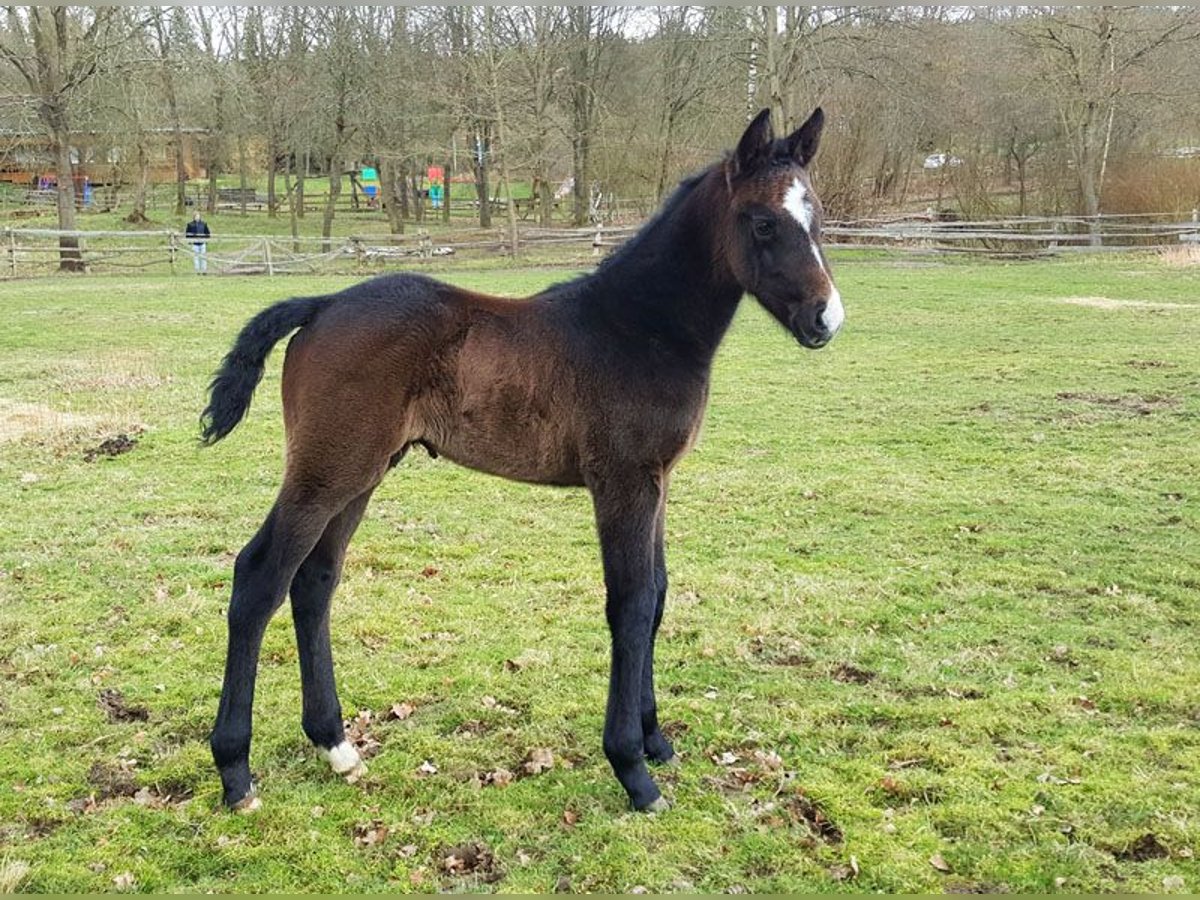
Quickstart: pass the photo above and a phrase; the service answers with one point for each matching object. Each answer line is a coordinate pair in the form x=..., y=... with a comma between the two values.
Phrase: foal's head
x=774, y=243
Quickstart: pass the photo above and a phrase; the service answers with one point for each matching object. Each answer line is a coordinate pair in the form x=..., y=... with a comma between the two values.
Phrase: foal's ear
x=755, y=146
x=802, y=143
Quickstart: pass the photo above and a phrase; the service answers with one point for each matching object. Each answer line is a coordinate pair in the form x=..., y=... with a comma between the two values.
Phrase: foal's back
x=531, y=390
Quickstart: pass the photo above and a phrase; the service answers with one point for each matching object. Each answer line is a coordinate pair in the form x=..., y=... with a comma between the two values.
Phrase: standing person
x=197, y=234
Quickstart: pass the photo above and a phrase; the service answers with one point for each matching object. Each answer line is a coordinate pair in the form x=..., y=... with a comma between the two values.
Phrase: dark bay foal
x=600, y=382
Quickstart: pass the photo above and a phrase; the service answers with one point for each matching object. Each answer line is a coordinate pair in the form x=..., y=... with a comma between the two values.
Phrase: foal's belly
x=522, y=447
x=515, y=422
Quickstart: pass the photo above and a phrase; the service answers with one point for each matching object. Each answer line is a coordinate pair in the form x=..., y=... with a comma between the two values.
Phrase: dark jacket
x=197, y=231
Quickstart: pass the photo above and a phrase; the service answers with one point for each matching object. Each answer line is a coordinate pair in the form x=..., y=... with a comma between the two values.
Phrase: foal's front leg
x=625, y=518
x=658, y=748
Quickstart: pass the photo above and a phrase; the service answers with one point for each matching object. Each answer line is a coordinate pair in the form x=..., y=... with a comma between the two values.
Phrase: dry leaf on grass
x=370, y=834
x=939, y=863
x=125, y=881
x=538, y=760
x=471, y=859
x=400, y=711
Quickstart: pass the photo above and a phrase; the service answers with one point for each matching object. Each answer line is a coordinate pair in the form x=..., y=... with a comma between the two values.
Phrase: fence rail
x=29, y=251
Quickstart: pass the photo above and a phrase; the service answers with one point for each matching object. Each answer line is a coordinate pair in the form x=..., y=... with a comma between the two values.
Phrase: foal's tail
x=241, y=370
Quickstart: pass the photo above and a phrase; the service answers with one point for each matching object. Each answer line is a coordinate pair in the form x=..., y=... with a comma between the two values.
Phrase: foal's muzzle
x=816, y=324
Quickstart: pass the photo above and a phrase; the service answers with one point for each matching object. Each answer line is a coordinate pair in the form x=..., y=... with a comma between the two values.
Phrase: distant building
x=27, y=157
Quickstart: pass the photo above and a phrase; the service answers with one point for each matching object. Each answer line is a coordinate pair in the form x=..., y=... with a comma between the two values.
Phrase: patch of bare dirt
x=1131, y=404
x=779, y=651
x=19, y=420
x=848, y=673
x=1111, y=303
x=472, y=860
x=110, y=447
x=112, y=702
x=1144, y=848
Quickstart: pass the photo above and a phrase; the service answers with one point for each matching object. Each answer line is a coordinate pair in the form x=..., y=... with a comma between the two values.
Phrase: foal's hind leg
x=658, y=748
x=262, y=573
x=312, y=591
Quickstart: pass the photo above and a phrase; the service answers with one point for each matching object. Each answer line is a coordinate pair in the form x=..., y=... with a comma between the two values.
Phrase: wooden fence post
x=172, y=249
x=12, y=251
x=267, y=254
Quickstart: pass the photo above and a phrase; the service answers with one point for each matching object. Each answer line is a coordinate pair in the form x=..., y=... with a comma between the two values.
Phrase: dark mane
x=670, y=206
x=632, y=248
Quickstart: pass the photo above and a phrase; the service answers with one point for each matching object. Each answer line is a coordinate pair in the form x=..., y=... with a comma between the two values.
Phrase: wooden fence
x=31, y=251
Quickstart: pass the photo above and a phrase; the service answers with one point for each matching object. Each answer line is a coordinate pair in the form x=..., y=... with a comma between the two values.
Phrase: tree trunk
x=242, y=179
x=479, y=160
x=446, y=169
x=664, y=165
x=180, y=168
x=294, y=198
x=138, y=214
x=335, y=191
x=272, y=156
x=69, y=257
x=772, y=62
x=393, y=204
x=418, y=199
x=301, y=176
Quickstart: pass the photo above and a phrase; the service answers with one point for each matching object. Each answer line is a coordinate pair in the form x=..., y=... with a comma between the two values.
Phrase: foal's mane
x=637, y=246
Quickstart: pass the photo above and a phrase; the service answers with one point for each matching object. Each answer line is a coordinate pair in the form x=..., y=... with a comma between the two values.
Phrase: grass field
x=932, y=622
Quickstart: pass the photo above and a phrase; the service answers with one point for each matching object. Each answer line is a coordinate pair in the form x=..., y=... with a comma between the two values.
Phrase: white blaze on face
x=796, y=202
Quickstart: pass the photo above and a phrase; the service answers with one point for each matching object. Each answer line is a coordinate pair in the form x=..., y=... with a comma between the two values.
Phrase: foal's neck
x=670, y=285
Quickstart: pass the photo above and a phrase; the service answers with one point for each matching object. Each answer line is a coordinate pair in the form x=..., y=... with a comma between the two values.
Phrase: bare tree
x=1093, y=55
x=58, y=51
x=591, y=30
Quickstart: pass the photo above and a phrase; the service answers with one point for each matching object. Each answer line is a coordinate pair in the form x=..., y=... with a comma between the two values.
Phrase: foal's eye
x=764, y=228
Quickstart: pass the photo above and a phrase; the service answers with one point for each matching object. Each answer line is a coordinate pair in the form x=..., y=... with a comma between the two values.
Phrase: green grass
x=937, y=583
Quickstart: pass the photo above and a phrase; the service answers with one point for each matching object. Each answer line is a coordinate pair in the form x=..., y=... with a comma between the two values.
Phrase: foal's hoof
x=247, y=805
x=344, y=760
x=657, y=805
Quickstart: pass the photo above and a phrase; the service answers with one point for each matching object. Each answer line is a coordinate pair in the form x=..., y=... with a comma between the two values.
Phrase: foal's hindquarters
x=489, y=384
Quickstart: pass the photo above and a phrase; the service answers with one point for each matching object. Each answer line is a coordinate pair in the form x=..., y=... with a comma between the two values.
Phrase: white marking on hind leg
x=344, y=760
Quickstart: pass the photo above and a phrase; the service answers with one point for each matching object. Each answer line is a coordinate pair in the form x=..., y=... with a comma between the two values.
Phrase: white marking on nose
x=796, y=202
x=834, y=314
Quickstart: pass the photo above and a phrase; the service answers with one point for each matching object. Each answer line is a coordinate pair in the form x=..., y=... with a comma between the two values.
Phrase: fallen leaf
x=538, y=760
x=370, y=834
x=728, y=758
x=769, y=759
x=400, y=711
x=125, y=881
x=570, y=818
x=890, y=785
x=500, y=777
x=470, y=859
x=429, y=571
x=525, y=659
x=939, y=863
x=427, y=768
